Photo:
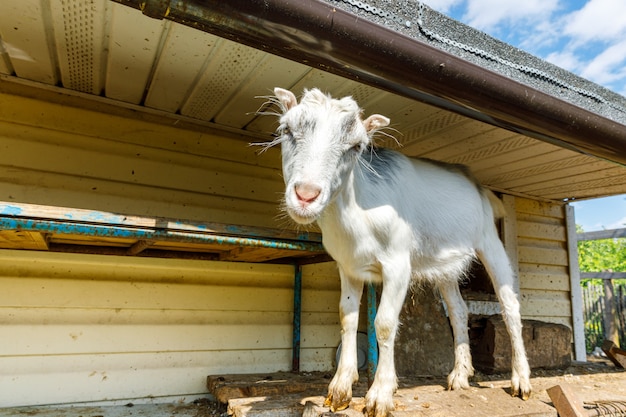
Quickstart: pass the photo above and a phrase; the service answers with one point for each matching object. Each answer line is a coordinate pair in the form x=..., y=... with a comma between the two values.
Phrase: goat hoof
x=523, y=392
x=380, y=408
x=376, y=413
x=459, y=380
x=336, y=405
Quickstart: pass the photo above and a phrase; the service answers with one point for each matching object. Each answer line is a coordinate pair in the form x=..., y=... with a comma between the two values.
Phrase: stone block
x=424, y=344
x=548, y=345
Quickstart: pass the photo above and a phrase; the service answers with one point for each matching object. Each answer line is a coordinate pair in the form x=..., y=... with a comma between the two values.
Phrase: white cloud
x=598, y=20
x=608, y=66
x=488, y=14
x=565, y=59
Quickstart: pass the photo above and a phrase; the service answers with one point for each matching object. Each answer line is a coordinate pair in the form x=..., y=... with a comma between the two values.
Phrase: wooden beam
x=615, y=354
x=139, y=247
x=602, y=234
x=603, y=275
x=566, y=402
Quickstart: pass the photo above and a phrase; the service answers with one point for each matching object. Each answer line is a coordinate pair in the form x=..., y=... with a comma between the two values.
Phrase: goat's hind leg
x=458, y=315
x=496, y=262
x=340, y=388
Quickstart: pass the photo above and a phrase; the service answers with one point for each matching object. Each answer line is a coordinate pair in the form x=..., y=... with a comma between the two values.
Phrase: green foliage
x=606, y=255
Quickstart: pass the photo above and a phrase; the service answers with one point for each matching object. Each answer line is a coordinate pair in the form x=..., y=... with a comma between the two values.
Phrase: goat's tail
x=496, y=204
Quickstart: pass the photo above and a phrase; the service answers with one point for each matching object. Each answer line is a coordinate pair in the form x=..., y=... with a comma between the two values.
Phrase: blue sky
x=586, y=37
x=601, y=213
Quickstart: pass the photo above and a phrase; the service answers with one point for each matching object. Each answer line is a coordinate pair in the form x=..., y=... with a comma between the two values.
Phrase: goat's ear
x=287, y=98
x=374, y=122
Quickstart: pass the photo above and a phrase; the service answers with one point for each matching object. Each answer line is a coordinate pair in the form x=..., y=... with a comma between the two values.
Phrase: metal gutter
x=322, y=36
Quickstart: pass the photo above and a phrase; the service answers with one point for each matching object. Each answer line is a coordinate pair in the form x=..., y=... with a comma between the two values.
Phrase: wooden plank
x=599, y=189
x=25, y=36
x=535, y=207
x=132, y=49
x=482, y=146
x=227, y=387
x=615, y=354
x=548, y=277
x=557, y=164
x=19, y=239
x=445, y=130
x=543, y=255
x=78, y=240
x=138, y=338
x=271, y=71
x=46, y=292
x=604, y=275
x=102, y=217
x=31, y=316
x=70, y=293
x=594, y=183
x=28, y=118
x=185, y=52
x=512, y=165
x=119, y=375
x=565, y=321
x=542, y=231
x=161, y=271
x=215, y=177
x=566, y=401
x=602, y=234
x=532, y=305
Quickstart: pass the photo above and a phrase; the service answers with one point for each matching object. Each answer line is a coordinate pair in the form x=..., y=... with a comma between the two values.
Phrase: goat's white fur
x=386, y=218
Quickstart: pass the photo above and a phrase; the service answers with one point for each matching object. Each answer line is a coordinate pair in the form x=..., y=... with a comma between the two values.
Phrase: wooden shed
x=142, y=244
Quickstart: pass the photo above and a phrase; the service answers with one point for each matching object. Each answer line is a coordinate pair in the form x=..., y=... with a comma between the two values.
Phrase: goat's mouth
x=302, y=215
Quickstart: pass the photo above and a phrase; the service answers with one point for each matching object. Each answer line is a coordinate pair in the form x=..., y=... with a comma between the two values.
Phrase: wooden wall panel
x=81, y=328
x=543, y=261
x=52, y=154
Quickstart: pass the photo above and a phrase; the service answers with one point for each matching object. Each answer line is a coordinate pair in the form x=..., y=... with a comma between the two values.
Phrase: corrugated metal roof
x=100, y=48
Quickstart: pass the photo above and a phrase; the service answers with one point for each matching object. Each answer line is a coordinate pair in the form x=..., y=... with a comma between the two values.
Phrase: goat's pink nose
x=307, y=193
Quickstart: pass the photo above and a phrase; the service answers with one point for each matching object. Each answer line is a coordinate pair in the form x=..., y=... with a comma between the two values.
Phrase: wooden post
x=610, y=312
x=578, y=321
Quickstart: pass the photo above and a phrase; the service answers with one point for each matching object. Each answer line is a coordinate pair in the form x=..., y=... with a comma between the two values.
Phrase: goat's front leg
x=396, y=278
x=340, y=388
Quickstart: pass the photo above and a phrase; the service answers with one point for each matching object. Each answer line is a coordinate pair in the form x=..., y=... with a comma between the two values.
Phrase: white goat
x=388, y=219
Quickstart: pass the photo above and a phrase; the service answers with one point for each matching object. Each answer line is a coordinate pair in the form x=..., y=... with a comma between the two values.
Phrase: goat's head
x=321, y=140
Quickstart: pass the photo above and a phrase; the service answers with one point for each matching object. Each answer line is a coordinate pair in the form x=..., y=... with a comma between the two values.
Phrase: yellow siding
x=64, y=156
x=87, y=327
x=543, y=261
